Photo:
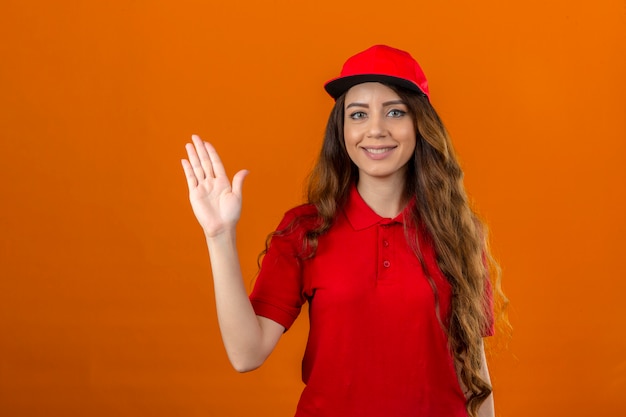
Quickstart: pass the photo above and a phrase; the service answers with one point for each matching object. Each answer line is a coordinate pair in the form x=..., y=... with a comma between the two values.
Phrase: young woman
x=387, y=252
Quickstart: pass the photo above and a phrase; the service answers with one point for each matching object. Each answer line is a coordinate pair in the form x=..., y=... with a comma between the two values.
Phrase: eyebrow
x=385, y=104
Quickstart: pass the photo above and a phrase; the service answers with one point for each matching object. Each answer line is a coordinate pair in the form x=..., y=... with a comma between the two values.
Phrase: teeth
x=383, y=150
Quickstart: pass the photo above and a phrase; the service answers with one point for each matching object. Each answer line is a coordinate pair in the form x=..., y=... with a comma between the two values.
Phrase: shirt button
x=386, y=264
x=385, y=243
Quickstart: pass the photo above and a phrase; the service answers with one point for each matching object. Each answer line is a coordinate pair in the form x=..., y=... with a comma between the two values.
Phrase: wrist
x=216, y=236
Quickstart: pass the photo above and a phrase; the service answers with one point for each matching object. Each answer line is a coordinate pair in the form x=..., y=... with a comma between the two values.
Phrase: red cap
x=383, y=64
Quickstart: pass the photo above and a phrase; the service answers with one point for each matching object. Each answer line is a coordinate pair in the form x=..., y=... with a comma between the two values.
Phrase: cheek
x=349, y=144
x=350, y=139
x=348, y=134
x=408, y=131
x=408, y=135
x=412, y=150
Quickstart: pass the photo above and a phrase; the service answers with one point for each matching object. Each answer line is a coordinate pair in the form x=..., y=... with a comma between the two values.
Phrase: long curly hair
x=435, y=180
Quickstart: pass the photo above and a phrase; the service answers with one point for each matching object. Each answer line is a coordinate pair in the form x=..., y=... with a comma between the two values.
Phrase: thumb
x=238, y=181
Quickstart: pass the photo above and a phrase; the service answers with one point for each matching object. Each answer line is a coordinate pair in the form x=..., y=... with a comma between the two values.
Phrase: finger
x=192, y=181
x=238, y=181
x=194, y=161
x=216, y=161
x=203, y=155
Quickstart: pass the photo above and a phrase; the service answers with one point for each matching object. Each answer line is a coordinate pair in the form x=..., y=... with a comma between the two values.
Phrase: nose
x=376, y=127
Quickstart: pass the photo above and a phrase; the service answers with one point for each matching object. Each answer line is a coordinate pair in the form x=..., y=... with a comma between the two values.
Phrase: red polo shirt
x=375, y=347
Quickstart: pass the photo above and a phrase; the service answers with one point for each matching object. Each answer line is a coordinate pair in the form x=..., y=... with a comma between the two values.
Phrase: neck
x=384, y=196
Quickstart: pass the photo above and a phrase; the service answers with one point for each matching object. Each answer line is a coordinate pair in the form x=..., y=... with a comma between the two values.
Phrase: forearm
x=241, y=330
x=487, y=408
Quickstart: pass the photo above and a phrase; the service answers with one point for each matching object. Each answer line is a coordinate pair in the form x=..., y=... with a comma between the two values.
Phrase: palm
x=216, y=204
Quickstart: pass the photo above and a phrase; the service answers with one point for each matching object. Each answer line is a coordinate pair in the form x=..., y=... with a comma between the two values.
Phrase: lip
x=378, y=152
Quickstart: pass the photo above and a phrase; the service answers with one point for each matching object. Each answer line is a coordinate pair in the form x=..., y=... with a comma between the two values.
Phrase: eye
x=358, y=115
x=396, y=113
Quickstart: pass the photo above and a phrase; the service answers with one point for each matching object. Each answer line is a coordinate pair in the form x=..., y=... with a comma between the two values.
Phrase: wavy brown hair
x=435, y=180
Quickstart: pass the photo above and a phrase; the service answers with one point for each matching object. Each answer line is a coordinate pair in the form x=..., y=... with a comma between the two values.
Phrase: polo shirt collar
x=361, y=216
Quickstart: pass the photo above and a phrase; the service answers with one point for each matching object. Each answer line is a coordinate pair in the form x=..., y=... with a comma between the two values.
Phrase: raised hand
x=216, y=204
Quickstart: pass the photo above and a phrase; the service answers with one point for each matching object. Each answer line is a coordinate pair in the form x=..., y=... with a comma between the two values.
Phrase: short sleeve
x=278, y=292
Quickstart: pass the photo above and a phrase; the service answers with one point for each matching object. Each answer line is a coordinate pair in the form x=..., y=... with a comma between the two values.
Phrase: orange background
x=106, y=301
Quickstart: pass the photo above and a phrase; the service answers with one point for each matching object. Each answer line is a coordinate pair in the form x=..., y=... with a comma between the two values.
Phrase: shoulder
x=290, y=235
x=303, y=210
x=304, y=216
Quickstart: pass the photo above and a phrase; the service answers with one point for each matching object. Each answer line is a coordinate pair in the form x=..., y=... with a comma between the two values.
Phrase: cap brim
x=337, y=86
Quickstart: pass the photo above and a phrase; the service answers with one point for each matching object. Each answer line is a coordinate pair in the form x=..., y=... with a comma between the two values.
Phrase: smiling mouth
x=377, y=151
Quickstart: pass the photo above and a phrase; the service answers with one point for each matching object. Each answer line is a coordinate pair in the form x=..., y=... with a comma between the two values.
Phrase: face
x=378, y=131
